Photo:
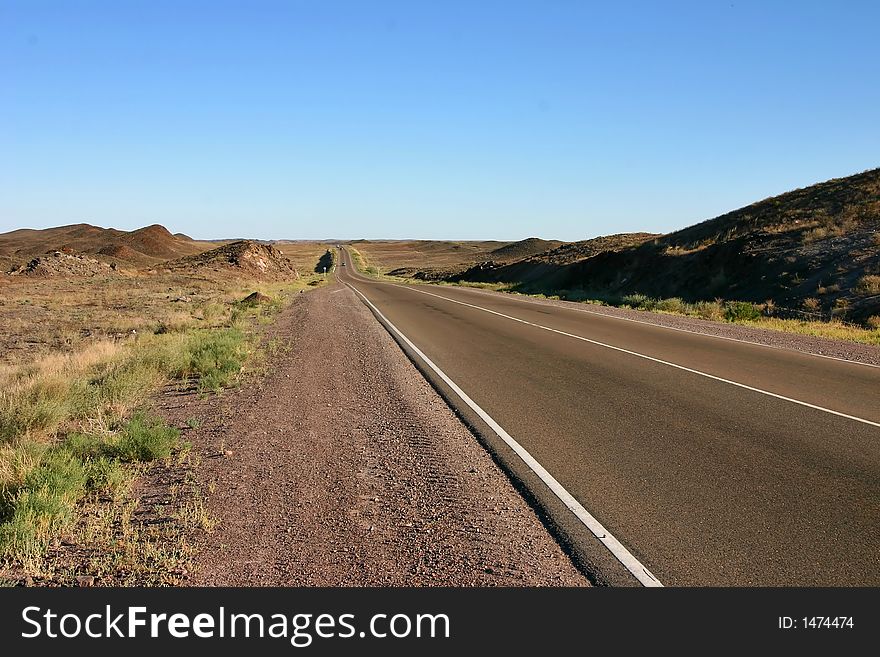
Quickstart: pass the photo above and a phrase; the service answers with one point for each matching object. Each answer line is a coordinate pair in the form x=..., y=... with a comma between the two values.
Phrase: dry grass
x=78, y=359
x=388, y=255
x=42, y=316
x=304, y=255
x=869, y=285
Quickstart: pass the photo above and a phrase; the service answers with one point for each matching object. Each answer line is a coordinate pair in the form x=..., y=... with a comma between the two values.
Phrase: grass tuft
x=38, y=499
x=146, y=439
x=216, y=357
x=741, y=311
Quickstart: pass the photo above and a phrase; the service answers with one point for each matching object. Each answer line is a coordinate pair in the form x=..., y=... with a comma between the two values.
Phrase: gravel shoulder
x=341, y=466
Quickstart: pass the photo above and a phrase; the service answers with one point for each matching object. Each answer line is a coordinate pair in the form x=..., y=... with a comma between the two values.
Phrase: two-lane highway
x=713, y=462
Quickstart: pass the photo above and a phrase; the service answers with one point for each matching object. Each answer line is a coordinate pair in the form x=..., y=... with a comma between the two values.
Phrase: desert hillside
x=141, y=247
x=813, y=250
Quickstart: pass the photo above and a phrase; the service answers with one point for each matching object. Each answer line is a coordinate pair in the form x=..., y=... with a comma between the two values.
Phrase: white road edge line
x=655, y=360
x=523, y=298
x=624, y=556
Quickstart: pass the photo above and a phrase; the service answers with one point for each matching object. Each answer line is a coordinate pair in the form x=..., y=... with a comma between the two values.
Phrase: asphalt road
x=775, y=481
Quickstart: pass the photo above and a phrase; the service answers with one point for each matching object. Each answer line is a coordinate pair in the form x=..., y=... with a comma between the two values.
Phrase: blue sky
x=428, y=119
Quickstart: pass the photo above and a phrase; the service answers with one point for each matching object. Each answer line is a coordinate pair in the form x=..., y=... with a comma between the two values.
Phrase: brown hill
x=81, y=237
x=574, y=251
x=537, y=267
x=262, y=260
x=816, y=248
x=156, y=242
x=120, y=252
x=142, y=247
x=523, y=249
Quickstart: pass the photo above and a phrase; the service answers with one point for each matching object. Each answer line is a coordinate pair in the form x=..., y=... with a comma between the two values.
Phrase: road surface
x=711, y=462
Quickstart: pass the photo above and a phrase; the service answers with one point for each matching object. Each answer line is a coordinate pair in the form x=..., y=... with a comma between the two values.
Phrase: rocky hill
x=815, y=250
x=66, y=264
x=262, y=260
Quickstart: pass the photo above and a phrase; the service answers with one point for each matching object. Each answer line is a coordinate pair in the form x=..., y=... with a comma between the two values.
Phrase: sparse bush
x=868, y=284
x=145, y=439
x=215, y=356
x=671, y=305
x=32, y=406
x=87, y=447
x=815, y=234
x=841, y=307
x=873, y=322
x=43, y=506
x=712, y=310
x=636, y=301
x=811, y=304
x=741, y=311
x=212, y=312
x=40, y=487
x=106, y=477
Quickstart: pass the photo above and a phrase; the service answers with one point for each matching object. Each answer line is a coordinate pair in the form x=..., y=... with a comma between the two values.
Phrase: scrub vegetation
x=85, y=355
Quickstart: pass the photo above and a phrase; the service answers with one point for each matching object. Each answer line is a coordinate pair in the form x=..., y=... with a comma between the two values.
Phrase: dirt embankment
x=344, y=467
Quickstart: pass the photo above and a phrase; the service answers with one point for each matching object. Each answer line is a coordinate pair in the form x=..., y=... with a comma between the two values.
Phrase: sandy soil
x=342, y=466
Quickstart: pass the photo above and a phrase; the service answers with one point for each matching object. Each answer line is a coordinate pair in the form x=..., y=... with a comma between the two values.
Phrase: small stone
x=228, y=452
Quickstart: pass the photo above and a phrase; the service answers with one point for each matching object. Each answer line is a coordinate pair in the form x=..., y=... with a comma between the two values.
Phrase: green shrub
x=60, y=474
x=215, y=356
x=672, y=305
x=87, y=447
x=145, y=439
x=738, y=311
x=106, y=476
x=43, y=506
x=637, y=301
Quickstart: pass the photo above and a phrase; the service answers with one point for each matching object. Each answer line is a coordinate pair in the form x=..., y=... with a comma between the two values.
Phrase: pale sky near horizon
x=454, y=119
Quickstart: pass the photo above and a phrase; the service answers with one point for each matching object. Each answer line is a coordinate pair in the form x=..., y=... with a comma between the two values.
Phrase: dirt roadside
x=342, y=466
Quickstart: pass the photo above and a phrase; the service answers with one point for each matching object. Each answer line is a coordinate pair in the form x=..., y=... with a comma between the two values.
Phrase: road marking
x=523, y=298
x=651, y=358
x=633, y=565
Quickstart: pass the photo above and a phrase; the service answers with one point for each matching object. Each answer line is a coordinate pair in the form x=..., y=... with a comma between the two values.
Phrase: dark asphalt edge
x=587, y=553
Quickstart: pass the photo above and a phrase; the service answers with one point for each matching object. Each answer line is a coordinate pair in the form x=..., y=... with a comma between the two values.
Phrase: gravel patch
x=343, y=467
